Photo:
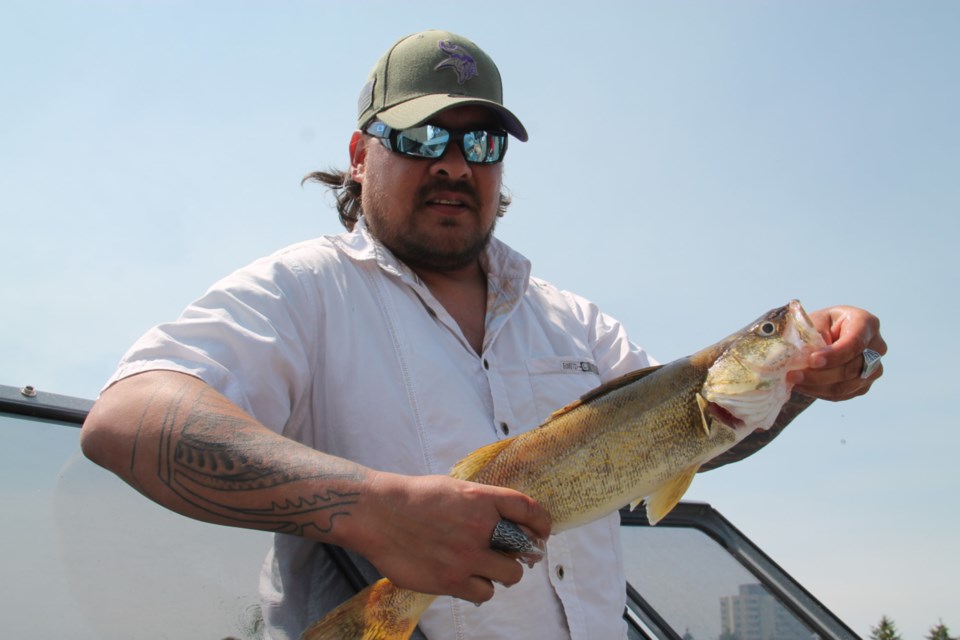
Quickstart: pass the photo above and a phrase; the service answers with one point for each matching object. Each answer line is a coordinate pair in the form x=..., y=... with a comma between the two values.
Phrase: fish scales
x=643, y=435
x=597, y=456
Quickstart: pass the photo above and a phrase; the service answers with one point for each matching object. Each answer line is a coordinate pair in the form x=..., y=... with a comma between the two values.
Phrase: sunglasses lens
x=429, y=141
x=423, y=142
x=484, y=147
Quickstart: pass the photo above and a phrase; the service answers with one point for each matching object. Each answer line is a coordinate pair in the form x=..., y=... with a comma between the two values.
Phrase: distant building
x=754, y=614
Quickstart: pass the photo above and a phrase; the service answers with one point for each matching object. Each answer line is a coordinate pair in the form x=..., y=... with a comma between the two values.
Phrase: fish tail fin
x=382, y=611
x=665, y=498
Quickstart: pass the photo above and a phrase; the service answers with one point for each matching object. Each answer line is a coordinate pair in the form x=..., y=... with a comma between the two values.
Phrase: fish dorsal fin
x=606, y=388
x=664, y=499
x=471, y=465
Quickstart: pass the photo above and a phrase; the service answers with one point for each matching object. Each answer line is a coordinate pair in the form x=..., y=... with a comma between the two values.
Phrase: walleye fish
x=641, y=437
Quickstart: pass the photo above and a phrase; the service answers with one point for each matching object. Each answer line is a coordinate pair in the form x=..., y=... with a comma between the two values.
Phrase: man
x=325, y=391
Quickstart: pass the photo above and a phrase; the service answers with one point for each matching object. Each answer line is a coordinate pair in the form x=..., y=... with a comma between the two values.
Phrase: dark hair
x=347, y=191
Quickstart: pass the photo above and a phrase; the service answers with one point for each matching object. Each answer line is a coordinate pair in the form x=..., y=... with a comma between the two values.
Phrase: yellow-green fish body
x=640, y=437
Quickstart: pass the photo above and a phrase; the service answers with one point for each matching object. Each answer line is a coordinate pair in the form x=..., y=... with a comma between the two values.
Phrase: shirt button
x=505, y=428
x=560, y=571
x=486, y=365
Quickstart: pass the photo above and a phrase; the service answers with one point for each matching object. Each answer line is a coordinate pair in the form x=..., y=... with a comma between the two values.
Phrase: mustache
x=441, y=185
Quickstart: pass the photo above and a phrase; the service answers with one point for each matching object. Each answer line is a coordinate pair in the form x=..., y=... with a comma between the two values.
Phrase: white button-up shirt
x=335, y=343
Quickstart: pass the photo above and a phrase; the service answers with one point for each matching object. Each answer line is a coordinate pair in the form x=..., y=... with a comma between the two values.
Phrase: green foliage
x=886, y=630
x=939, y=632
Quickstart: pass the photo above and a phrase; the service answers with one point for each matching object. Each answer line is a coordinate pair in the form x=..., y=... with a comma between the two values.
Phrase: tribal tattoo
x=224, y=464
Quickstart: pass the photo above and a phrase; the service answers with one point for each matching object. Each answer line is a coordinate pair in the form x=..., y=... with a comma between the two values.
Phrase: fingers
x=835, y=371
x=848, y=331
x=471, y=574
x=838, y=383
x=525, y=512
x=478, y=589
x=432, y=533
x=488, y=567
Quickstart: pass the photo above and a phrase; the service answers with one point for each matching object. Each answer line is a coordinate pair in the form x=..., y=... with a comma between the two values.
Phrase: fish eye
x=767, y=329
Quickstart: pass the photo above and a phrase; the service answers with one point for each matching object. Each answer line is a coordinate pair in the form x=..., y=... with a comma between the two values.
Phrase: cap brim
x=415, y=112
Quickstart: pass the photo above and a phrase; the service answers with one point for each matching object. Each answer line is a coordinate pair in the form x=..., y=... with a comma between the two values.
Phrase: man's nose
x=453, y=164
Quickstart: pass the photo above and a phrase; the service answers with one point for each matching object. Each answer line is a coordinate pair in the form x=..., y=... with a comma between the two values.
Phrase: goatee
x=424, y=242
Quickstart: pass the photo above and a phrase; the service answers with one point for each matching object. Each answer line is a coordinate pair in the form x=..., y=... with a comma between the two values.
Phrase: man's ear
x=358, y=156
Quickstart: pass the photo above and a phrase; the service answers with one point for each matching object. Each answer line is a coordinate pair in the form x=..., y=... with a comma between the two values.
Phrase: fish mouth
x=806, y=332
x=724, y=416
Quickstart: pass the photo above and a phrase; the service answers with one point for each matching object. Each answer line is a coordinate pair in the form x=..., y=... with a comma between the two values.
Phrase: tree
x=886, y=630
x=939, y=632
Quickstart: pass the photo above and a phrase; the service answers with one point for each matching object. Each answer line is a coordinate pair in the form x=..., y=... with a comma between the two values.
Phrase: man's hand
x=834, y=372
x=432, y=533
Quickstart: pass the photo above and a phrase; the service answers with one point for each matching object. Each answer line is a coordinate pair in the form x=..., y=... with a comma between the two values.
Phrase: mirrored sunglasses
x=482, y=146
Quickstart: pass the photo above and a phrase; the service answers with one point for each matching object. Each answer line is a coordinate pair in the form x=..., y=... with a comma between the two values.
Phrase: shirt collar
x=361, y=246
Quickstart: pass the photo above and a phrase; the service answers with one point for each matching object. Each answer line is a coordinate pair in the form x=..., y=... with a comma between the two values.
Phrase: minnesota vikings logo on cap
x=459, y=61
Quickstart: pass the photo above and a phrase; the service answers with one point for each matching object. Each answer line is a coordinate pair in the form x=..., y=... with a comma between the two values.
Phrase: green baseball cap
x=429, y=72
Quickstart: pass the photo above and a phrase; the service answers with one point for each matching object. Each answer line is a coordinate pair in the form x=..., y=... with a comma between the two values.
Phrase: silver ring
x=507, y=536
x=510, y=538
x=871, y=362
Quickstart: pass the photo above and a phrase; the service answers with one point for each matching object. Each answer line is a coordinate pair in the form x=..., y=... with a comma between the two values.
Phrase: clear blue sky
x=690, y=165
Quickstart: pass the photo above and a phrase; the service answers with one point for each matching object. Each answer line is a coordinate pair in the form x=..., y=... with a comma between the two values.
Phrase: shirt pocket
x=556, y=381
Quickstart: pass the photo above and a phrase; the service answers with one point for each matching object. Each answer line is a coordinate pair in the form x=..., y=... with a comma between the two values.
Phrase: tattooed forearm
x=238, y=480
x=219, y=461
x=757, y=440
